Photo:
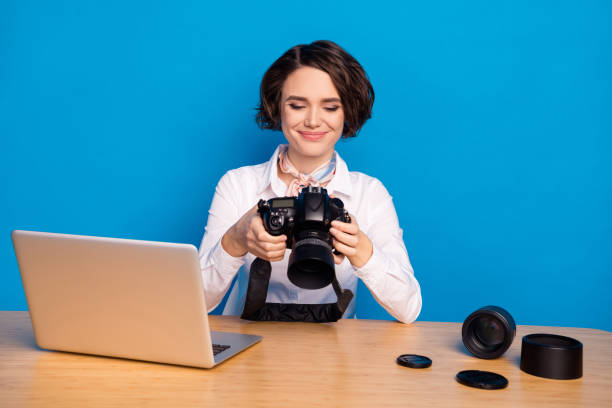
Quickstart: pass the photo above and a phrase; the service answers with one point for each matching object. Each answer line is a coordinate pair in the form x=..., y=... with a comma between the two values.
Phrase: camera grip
x=346, y=217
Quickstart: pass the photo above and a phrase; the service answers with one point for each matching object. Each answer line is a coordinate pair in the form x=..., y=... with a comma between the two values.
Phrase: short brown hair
x=348, y=76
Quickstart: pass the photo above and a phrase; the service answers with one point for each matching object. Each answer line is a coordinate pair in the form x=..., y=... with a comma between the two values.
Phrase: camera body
x=306, y=220
x=308, y=215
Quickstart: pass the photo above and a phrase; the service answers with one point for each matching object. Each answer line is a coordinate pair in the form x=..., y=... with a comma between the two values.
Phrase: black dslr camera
x=306, y=220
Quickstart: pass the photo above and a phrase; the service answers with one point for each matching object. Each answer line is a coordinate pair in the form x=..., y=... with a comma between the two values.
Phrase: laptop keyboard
x=218, y=348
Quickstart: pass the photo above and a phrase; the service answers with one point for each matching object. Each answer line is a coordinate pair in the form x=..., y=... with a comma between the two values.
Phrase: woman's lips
x=312, y=135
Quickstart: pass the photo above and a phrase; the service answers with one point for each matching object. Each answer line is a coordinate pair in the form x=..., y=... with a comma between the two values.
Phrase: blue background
x=491, y=129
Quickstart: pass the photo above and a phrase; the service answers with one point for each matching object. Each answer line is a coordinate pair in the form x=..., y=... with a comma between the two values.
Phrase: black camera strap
x=256, y=308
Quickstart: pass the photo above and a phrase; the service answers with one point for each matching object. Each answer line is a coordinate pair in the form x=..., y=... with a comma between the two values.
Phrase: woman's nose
x=312, y=119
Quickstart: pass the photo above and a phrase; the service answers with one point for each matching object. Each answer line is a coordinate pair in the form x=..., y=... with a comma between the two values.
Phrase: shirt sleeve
x=217, y=266
x=388, y=273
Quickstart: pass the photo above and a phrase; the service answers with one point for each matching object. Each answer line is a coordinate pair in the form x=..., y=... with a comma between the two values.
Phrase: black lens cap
x=482, y=379
x=414, y=361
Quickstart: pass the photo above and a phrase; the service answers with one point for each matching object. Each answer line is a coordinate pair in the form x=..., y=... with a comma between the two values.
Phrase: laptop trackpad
x=236, y=342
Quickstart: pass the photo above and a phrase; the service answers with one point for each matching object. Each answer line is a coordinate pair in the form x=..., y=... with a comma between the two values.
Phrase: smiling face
x=312, y=118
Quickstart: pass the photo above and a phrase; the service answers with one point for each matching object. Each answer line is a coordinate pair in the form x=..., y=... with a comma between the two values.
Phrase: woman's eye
x=296, y=107
x=332, y=108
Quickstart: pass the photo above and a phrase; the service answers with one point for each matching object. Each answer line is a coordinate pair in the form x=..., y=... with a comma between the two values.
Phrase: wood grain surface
x=350, y=363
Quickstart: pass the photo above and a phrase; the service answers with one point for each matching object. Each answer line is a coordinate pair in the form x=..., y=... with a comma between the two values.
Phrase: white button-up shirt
x=387, y=274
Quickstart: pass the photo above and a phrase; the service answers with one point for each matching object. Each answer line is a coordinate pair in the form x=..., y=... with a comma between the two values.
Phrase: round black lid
x=482, y=379
x=414, y=361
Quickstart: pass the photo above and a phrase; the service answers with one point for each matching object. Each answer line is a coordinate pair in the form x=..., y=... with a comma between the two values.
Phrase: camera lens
x=311, y=263
x=488, y=332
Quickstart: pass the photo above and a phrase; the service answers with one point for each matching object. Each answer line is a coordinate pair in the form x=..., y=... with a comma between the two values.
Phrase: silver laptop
x=122, y=298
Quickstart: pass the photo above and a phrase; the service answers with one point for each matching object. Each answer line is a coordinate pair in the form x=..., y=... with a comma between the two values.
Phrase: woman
x=315, y=94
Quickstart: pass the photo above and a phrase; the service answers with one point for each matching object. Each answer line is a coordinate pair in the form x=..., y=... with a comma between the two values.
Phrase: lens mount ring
x=311, y=241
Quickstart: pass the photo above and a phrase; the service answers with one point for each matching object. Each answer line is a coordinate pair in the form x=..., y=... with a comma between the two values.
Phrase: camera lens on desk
x=488, y=332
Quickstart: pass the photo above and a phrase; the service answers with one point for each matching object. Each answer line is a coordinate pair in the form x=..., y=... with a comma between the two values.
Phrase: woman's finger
x=271, y=246
x=258, y=229
x=351, y=228
x=267, y=248
x=344, y=249
x=271, y=256
x=276, y=256
x=348, y=239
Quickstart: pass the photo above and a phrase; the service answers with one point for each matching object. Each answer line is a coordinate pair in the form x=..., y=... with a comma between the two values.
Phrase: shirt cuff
x=225, y=263
x=369, y=273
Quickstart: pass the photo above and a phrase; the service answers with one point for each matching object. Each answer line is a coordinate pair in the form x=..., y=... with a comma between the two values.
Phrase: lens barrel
x=311, y=264
x=488, y=332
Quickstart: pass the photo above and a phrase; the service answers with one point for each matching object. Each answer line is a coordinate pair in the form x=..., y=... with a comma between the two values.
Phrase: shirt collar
x=341, y=182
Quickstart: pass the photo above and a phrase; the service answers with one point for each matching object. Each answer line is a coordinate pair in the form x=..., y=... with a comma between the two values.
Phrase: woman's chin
x=314, y=150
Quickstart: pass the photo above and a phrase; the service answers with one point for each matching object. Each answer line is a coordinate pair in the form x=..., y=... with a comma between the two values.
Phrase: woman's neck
x=287, y=178
x=305, y=164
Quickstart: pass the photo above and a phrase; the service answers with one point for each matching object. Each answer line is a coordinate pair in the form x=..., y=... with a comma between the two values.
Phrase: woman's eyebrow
x=302, y=99
x=295, y=98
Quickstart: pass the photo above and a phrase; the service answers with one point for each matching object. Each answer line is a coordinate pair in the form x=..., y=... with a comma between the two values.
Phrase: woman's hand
x=249, y=235
x=351, y=242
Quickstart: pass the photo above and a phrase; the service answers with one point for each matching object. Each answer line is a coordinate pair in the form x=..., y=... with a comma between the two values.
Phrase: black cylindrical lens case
x=551, y=356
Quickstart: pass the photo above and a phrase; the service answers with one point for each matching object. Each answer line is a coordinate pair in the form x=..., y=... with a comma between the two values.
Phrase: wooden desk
x=349, y=363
